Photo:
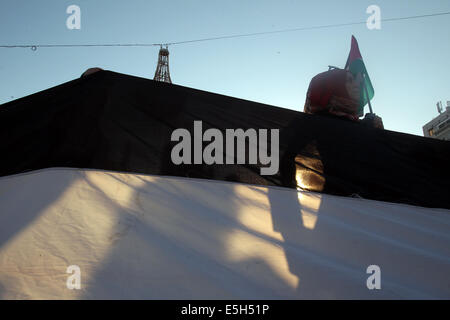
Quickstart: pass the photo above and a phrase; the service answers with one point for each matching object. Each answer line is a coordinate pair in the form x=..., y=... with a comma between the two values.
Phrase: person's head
x=353, y=85
x=90, y=71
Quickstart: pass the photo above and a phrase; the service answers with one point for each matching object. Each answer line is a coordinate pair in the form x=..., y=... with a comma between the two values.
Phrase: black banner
x=117, y=122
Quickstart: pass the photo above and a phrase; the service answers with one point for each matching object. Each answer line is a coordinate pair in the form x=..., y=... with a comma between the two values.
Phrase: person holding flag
x=343, y=93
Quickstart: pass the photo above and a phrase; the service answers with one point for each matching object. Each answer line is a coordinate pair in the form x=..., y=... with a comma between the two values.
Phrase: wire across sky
x=35, y=46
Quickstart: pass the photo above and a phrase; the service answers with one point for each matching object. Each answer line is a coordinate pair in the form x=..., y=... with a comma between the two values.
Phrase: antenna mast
x=162, y=69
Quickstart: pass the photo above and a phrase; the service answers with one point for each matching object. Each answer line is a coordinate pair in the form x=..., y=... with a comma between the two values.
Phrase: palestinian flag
x=355, y=65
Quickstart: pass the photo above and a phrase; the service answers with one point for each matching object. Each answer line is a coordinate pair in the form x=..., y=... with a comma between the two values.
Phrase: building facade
x=439, y=127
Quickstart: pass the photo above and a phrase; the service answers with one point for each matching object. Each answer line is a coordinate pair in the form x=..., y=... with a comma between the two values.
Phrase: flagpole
x=367, y=92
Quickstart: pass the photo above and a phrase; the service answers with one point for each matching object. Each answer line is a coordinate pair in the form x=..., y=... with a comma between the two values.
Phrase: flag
x=355, y=65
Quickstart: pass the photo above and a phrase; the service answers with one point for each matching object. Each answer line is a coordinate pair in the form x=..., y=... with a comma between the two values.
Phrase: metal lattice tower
x=162, y=69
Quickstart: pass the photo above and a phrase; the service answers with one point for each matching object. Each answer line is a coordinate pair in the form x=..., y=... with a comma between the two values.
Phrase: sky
x=407, y=60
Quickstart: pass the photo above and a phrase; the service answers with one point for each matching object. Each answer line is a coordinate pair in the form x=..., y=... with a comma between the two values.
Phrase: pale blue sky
x=408, y=61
